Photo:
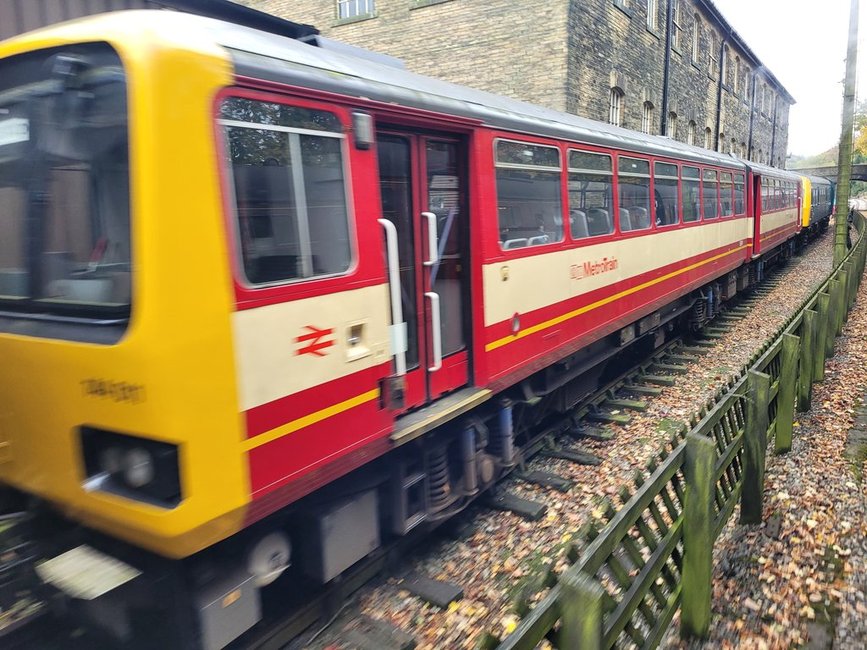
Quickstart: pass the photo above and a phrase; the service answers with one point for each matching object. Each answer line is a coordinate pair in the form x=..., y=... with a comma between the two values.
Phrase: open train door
x=424, y=202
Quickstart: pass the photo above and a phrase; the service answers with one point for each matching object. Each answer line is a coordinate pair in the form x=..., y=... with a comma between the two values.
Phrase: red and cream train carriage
x=342, y=282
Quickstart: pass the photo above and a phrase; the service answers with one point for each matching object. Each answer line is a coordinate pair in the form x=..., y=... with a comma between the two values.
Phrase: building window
x=708, y=140
x=647, y=118
x=713, y=55
x=746, y=82
x=624, y=4
x=615, y=107
x=675, y=33
x=737, y=79
x=733, y=149
x=652, y=11
x=743, y=150
x=528, y=194
x=696, y=38
x=726, y=67
x=721, y=143
x=672, y=125
x=690, y=133
x=355, y=8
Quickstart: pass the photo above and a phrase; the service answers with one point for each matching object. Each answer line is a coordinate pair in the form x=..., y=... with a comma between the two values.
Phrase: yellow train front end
x=118, y=404
x=806, y=201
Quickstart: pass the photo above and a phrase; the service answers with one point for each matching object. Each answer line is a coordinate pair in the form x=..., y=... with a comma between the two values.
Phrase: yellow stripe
x=309, y=419
x=600, y=303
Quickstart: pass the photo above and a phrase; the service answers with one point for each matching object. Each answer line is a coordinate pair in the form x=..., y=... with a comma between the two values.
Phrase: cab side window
x=286, y=165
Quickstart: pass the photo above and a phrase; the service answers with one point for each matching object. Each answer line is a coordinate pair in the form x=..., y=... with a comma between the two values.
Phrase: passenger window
x=287, y=169
x=690, y=179
x=739, y=194
x=633, y=179
x=528, y=194
x=665, y=193
x=726, y=194
x=590, y=195
x=710, y=189
x=766, y=195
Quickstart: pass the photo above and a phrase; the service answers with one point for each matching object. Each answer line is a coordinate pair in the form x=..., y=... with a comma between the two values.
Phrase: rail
x=654, y=553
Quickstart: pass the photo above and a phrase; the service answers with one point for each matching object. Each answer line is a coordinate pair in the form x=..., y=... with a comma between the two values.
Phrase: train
x=267, y=304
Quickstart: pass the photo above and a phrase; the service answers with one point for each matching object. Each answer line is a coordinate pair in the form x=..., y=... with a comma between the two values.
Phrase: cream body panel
x=267, y=350
x=540, y=280
x=779, y=219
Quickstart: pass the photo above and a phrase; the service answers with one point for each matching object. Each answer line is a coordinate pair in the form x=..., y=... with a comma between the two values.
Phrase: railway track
x=327, y=620
x=558, y=459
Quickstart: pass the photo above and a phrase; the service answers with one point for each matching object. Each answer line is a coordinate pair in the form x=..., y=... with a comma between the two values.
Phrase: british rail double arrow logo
x=314, y=341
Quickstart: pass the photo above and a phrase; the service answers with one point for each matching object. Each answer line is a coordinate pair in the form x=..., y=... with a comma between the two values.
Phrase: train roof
x=322, y=66
x=767, y=170
x=817, y=180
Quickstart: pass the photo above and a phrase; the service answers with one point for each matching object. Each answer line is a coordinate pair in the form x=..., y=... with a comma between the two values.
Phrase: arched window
x=721, y=143
x=713, y=55
x=615, y=107
x=726, y=67
x=696, y=38
x=675, y=33
x=708, y=139
x=690, y=133
x=734, y=147
x=652, y=11
x=743, y=150
x=647, y=118
x=672, y=125
x=737, y=79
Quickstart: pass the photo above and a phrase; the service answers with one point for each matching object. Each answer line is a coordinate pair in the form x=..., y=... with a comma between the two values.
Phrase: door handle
x=398, y=326
x=436, y=330
x=432, y=251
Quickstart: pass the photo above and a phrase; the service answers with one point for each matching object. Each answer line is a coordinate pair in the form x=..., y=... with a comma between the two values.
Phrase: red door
x=422, y=183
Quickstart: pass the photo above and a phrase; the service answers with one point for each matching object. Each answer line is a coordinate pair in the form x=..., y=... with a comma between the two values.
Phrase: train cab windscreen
x=64, y=183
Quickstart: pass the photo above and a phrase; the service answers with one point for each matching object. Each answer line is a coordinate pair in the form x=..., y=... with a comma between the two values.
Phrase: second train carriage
x=276, y=303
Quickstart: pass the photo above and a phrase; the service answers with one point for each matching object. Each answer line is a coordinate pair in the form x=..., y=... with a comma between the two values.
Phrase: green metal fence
x=654, y=553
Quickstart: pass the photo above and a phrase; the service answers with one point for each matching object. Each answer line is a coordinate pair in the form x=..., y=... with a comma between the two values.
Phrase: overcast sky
x=803, y=42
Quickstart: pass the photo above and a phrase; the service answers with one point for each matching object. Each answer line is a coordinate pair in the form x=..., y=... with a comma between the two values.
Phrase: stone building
x=660, y=66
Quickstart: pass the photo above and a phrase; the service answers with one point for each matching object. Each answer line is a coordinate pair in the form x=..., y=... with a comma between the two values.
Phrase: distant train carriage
x=264, y=305
x=818, y=204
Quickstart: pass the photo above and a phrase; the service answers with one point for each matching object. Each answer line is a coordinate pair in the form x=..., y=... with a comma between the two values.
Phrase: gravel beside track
x=501, y=559
x=800, y=578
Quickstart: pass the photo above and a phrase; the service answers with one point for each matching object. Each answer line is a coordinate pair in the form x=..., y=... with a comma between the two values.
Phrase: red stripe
x=261, y=419
x=279, y=462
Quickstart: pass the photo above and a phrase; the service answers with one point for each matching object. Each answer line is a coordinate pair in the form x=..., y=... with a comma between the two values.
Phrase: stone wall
x=569, y=54
x=485, y=44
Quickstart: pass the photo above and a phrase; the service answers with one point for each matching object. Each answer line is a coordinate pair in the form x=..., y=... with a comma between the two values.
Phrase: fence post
x=580, y=611
x=822, y=301
x=698, y=539
x=841, y=312
x=817, y=350
x=853, y=284
x=755, y=445
x=786, y=395
x=805, y=376
x=831, y=327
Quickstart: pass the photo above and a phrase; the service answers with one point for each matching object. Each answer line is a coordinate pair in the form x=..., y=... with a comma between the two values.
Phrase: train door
x=423, y=188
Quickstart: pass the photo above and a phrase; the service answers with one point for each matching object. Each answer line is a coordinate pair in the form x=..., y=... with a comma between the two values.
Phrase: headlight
x=133, y=467
x=139, y=468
